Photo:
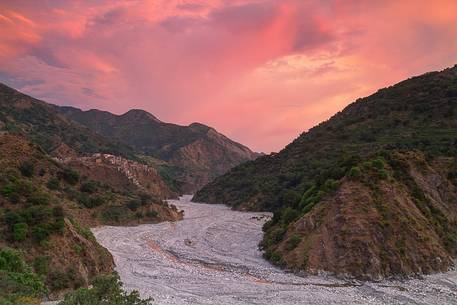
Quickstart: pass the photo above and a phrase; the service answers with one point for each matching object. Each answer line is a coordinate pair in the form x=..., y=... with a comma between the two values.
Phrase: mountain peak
x=139, y=114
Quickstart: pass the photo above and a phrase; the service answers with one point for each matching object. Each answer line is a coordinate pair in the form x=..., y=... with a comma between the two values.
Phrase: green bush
x=8, y=189
x=293, y=242
x=89, y=187
x=151, y=214
x=17, y=281
x=133, y=204
x=41, y=232
x=53, y=184
x=20, y=231
x=106, y=290
x=12, y=218
x=378, y=163
x=37, y=215
x=354, y=172
x=289, y=215
x=41, y=264
x=69, y=176
x=39, y=198
x=27, y=169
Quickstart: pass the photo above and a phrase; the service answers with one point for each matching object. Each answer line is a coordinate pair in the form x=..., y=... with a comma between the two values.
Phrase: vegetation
x=105, y=290
x=19, y=285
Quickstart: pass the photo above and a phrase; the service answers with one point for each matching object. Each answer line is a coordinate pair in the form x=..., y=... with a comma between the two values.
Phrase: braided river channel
x=212, y=257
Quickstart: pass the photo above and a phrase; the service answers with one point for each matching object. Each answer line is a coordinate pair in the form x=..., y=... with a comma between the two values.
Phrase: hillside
x=46, y=207
x=409, y=133
x=191, y=155
x=43, y=125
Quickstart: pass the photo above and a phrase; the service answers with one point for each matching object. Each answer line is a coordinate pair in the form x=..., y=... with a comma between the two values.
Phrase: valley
x=212, y=257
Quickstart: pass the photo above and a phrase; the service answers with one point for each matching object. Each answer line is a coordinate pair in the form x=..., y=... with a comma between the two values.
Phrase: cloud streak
x=261, y=71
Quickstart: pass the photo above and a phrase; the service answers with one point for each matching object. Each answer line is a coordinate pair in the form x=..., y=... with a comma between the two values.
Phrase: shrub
x=289, y=215
x=133, y=204
x=106, y=289
x=20, y=231
x=354, y=172
x=41, y=232
x=37, y=214
x=378, y=163
x=53, y=184
x=89, y=187
x=17, y=281
x=293, y=242
x=152, y=214
x=39, y=198
x=27, y=169
x=12, y=218
x=69, y=176
x=145, y=198
x=59, y=280
x=41, y=264
x=8, y=189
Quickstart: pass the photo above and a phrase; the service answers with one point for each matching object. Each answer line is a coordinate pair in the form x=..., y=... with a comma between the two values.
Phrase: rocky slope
x=398, y=219
x=46, y=206
x=191, y=155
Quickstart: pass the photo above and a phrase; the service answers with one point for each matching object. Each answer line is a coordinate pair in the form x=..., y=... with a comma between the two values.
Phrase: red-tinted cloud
x=261, y=71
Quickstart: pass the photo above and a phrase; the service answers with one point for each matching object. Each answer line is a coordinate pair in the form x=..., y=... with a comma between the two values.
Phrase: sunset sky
x=259, y=71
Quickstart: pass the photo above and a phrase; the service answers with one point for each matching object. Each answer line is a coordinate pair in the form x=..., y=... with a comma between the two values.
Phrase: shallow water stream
x=211, y=257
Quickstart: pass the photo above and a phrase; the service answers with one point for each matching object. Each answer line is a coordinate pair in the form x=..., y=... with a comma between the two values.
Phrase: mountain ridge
x=197, y=153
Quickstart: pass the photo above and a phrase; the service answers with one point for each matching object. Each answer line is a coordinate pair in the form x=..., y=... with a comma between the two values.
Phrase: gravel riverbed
x=211, y=257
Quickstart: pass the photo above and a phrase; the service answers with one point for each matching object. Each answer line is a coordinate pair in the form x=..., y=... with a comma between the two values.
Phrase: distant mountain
x=370, y=193
x=191, y=155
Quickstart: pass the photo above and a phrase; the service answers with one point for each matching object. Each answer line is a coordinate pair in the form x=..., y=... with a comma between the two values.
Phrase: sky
x=259, y=71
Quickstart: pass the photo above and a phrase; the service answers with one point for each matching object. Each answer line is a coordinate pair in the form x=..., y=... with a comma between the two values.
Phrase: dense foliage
x=19, y=285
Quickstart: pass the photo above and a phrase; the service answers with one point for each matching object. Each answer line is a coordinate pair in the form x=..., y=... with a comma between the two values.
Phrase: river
x=211, y=257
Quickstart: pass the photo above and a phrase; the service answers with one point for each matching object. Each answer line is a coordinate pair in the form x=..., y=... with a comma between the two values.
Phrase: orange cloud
x=261, y=71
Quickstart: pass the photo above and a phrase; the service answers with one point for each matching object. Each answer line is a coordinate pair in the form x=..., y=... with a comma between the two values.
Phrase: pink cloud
x=261, y=71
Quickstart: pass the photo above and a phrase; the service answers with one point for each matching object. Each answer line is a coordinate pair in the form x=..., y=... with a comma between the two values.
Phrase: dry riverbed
x=211, y=257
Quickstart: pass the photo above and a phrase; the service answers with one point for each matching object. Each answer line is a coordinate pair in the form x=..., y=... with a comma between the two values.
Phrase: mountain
x=370, y=193
x=43, y=125
x=190, y=155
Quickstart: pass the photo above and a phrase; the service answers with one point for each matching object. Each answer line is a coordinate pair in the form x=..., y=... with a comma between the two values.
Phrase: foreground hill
x=192, y=155
x=46, y=207
x=370, y=193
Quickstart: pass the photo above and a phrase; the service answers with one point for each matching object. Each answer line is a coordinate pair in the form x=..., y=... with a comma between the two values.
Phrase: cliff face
x=191, y=155
x=370, y=193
